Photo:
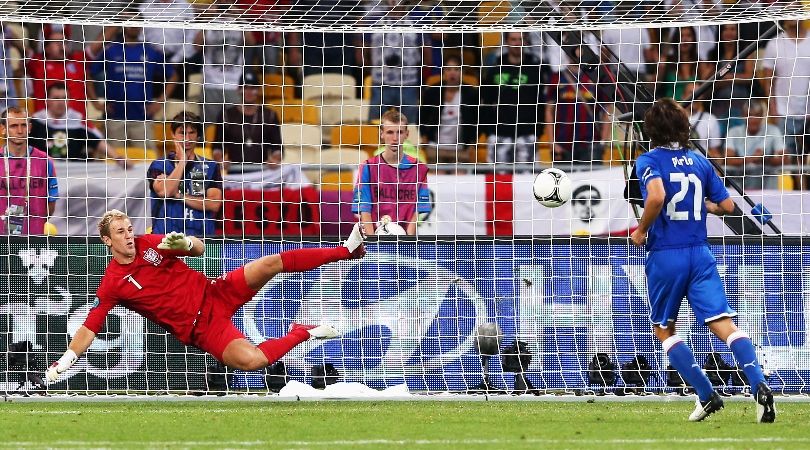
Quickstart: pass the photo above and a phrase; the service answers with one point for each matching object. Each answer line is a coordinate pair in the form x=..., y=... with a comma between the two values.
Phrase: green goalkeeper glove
x=176, y=241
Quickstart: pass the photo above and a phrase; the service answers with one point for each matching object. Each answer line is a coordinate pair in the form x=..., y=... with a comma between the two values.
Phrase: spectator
x=396, y=64
x=705, y=126
x=735, y=88
x=786, y=81
x=186, y=189
x=131, y=70
x=449, y=115
x=753, y=147
x=62, y=132
x=574, y=133
x=679, y=65
x=175, y=43
x=514, y=103
x=249, y=132
x=225, y=54
x=392, y=184
x=8, y=77
x=28, y=187
x=56, y=65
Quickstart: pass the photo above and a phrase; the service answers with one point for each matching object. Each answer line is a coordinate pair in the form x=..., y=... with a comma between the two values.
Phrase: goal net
x=283, y=103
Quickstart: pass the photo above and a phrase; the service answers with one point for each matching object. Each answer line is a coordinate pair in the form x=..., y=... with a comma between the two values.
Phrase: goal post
x=495, y=293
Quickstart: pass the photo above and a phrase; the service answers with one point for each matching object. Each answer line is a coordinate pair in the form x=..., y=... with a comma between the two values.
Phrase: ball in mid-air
x=552, y=187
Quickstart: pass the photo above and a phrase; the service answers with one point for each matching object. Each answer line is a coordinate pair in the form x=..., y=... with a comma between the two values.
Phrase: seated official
x=249, y=132
x=186, y=189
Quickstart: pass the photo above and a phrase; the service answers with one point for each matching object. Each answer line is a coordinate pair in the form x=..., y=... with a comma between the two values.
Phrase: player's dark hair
x=57, y=86
x=452, y=59
x=666, y=123
x=505, y=36
x=187, y=119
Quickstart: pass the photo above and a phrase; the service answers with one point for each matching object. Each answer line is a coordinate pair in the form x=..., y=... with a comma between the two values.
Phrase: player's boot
x=766, y=412
x=704, y=409
x=316, y=331
x=355, y=242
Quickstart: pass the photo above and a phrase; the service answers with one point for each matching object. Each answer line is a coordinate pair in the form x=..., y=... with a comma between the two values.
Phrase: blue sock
x=740, y=344
x=683, y=360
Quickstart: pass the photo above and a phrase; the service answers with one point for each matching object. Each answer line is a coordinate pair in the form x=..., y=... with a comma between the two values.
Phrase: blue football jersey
x=689, y=178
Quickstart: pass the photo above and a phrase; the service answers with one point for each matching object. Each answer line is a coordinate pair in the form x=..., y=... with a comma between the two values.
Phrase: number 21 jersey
x=688, y=178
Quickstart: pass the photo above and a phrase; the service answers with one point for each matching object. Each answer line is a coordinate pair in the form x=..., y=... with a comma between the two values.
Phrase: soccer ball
x=389, y=228
x=552, y=187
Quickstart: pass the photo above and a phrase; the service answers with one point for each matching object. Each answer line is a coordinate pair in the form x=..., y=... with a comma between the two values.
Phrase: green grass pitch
x=394, y=424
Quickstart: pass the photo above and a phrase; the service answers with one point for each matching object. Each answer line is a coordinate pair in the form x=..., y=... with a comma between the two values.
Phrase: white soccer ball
x=552, y=188
x=390, y=229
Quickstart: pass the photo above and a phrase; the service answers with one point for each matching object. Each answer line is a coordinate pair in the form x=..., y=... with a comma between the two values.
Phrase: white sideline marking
x=122, y=411
x=402, y=442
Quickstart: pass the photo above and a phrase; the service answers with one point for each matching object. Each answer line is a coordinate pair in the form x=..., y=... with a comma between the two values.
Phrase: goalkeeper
x=145, y=275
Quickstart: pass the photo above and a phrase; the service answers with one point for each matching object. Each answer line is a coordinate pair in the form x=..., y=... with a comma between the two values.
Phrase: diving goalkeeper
x=147, y=277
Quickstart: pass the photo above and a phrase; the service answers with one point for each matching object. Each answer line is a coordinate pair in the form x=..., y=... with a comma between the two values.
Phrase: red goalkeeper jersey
x=157, y=285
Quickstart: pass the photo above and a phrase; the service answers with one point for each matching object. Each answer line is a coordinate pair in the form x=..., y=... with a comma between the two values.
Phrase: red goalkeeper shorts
x=214, y=330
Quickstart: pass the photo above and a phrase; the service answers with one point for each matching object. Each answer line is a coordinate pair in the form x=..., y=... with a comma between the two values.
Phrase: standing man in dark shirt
x=248, y=133
x=513, y=103
x=449, y=115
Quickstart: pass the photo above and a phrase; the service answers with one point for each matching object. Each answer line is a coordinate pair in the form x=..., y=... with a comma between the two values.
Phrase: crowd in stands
x=96, y=93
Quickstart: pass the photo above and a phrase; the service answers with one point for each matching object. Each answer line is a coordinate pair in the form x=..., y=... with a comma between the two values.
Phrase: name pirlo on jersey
x=682, y=161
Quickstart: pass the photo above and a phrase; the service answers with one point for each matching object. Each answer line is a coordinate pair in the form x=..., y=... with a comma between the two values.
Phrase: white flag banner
x=86, y=191
x=463, y=205
x=597, y=206
x=790, y=211
x=459, y=206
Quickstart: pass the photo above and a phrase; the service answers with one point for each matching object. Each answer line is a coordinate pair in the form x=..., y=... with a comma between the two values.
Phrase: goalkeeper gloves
x=176, y=241
x=61, y=366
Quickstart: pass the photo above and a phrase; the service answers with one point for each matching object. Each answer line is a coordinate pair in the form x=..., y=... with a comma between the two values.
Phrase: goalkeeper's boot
x=316, y=331
x=766, y=412
x=355, y=242
x=704, y=409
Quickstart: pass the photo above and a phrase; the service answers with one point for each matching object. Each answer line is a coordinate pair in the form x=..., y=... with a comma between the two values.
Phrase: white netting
x=369, y=16
x=289, y=97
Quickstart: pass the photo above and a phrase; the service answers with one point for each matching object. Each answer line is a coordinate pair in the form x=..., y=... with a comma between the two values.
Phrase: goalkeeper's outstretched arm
x=78, y=345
